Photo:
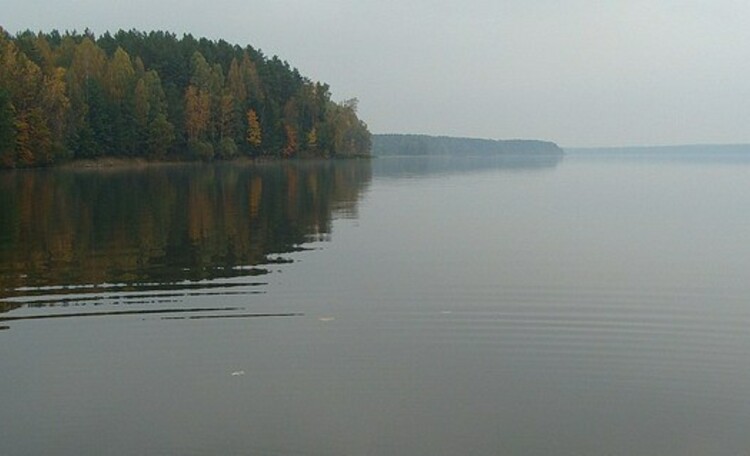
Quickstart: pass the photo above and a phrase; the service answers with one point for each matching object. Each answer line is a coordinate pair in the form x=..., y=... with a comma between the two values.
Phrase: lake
x=543, y=305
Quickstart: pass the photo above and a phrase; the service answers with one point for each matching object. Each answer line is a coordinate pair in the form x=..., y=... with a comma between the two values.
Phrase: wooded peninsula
x=152, y=95
x=424, y=145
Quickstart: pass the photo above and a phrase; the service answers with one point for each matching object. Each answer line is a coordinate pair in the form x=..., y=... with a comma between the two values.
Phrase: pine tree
x=7, y=131
x=132, y=93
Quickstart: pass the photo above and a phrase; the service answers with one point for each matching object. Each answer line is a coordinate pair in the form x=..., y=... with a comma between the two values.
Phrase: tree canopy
x=399, y=144
x=157, y=96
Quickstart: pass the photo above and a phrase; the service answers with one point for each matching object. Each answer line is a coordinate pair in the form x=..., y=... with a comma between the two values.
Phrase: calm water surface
x=575, y=306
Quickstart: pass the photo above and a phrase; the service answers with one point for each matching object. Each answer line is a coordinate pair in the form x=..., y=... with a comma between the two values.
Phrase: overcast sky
x=577, y=72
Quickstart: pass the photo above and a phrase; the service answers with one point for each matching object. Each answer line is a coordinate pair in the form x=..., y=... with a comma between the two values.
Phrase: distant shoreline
x=426, y=145
x=670, y=149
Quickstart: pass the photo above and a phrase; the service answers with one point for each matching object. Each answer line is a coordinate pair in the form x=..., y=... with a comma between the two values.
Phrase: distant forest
x=444, y=145
x=153, y=95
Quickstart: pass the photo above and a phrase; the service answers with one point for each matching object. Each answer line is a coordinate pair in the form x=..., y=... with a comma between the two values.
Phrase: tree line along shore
x=75, y=96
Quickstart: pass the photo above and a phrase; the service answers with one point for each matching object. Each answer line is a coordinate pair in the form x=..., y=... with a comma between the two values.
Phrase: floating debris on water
x=326, y=319
x=238, y=373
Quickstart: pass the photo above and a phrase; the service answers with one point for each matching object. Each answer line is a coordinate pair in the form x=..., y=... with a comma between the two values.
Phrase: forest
x=69, y=96
x=395, y=144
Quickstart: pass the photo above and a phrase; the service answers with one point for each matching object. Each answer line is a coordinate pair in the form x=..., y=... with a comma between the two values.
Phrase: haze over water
x=568, y=306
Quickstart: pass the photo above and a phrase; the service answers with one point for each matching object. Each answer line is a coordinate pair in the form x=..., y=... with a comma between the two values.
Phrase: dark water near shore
x=576, y=306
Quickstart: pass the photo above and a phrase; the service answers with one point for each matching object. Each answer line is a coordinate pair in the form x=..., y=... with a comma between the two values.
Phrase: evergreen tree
x=7, y=130
x=160, y=96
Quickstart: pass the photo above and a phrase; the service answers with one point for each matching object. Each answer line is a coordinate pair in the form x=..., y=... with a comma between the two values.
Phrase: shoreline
x=107, y=163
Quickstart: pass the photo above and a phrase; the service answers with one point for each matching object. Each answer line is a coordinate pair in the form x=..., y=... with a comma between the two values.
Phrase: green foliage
x=158, y=96
x=443, y=145
x=7, y=132
x=201, y=150
x=227, y=148
x=160, y=137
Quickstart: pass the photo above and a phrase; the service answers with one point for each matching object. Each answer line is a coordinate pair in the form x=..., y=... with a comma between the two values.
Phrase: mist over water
x=421, y=306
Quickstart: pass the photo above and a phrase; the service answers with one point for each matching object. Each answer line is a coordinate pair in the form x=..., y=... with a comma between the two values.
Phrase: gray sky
x=580, y=73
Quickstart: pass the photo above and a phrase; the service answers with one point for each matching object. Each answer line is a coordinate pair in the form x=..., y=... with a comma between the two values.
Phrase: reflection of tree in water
x=430, y=165
x=166, y=223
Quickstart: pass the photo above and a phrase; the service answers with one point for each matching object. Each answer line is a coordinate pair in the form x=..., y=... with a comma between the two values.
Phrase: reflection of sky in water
x=593, y=307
